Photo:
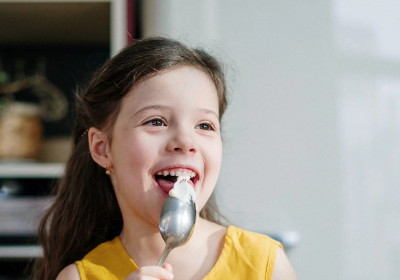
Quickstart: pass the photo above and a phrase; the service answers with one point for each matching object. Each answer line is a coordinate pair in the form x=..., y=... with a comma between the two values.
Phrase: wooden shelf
x=20, y=252
x=55, y=22
x=31, y=170
x=69, y=23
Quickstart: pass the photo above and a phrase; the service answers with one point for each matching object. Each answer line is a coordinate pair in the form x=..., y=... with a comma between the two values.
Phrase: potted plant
x=21, y=118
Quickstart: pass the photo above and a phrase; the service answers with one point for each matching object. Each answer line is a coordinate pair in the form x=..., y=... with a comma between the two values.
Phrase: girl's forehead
x=175, y=79
x=176, y=69
x=183, y=86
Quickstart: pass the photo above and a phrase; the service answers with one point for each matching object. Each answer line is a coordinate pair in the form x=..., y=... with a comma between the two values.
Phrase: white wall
x=312, y=134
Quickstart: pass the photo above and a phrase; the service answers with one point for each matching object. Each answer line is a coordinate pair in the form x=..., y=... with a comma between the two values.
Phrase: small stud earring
x=108, y=171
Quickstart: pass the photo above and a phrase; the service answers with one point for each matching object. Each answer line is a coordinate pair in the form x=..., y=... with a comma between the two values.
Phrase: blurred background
x=311, y=134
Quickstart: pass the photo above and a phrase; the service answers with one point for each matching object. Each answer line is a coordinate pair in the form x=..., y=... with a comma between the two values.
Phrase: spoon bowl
x=177, y=222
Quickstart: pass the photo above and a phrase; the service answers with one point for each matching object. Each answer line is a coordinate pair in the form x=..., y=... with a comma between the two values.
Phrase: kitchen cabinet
x=67, y=41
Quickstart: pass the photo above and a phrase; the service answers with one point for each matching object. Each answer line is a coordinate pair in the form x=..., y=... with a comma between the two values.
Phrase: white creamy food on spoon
x=183, y=190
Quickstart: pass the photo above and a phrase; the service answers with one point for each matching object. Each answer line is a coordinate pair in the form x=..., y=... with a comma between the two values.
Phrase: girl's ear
x=98, y=147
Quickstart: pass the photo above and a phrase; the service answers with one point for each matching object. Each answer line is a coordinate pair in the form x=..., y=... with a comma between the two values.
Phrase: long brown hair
x=85, y=211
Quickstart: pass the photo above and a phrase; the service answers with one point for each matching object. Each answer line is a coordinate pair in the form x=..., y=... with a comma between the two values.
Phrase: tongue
x=166, y=185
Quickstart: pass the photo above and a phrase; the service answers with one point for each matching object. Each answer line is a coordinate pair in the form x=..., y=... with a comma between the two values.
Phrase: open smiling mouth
x=167, y=178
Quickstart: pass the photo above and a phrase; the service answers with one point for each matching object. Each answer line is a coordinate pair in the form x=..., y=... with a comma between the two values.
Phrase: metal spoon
x=177, y=221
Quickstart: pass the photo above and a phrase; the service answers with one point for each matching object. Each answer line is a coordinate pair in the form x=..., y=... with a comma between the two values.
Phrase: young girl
x=152, y=112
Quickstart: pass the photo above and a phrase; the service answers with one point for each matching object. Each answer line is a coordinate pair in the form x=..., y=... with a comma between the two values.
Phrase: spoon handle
x=164, y=255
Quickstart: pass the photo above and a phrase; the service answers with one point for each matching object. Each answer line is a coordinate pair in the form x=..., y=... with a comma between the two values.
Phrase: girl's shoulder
x=283, y=269
x=70, y=272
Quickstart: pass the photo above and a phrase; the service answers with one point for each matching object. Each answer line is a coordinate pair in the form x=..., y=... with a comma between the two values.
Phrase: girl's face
x=168, y=123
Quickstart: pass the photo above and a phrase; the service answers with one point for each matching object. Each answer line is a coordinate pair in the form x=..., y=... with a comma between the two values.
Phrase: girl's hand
x=152, y=273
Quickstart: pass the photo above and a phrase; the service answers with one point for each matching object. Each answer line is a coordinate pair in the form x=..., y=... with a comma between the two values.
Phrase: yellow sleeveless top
x=245, y=255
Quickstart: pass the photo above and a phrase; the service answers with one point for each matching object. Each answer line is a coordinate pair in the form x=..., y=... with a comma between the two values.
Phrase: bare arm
x=283, y=269
x=70, y=272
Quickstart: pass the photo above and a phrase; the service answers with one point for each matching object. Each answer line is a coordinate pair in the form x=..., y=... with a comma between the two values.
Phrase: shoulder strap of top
x=246, y=255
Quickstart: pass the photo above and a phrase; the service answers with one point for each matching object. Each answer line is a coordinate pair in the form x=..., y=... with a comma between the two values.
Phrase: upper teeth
x=189, y=173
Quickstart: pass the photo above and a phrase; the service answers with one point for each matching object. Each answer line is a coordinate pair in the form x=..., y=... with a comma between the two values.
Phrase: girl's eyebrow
x=208, y=111
x=162, y=107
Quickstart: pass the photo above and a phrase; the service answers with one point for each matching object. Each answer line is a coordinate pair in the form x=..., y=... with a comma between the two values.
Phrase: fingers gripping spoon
x=178, y=217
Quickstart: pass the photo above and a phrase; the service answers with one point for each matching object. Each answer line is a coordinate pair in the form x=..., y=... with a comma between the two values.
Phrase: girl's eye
x=205, y=126
x=155, y=122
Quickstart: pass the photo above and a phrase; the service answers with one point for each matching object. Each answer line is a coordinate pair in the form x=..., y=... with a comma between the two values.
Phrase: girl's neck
x=143, y=238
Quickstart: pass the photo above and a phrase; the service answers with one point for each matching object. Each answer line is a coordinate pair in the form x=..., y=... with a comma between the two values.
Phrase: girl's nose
x=182, y=142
